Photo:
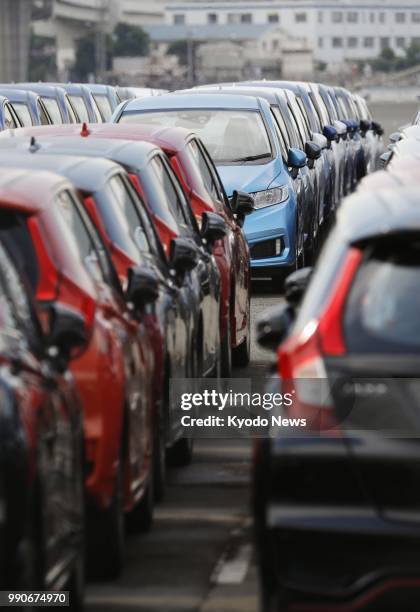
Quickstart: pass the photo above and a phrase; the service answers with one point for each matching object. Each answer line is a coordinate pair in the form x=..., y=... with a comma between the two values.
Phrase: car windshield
x=231, y=136
x=104, y=106
x=22, y=111
x=53, y=110
x=81, y=110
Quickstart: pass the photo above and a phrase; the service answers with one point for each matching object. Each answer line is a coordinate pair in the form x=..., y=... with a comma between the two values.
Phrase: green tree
x=180, y=49
x=85, y=63
x=42, y=66
x=412, y=55
x=130, y=41
x=386, y=61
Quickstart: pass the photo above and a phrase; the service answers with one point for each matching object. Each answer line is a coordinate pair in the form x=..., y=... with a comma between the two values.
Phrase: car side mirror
x=312, y=150
x=68, y=335
x=330, y=132
x=142, y=287
x=242, y=203
x=384, y=159
x=296, y=284
x=341, y=129
x=273, y=326
x=365, y=125
x=319, y=140
x=377, y=128
x=395, y=137
x=296, y=159
x=213, y=227
x=183, y=255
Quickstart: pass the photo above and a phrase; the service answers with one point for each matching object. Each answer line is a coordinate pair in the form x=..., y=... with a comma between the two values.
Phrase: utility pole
x=100, y=42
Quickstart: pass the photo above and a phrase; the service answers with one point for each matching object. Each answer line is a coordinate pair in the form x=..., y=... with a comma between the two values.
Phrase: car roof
x=99, y=88
x=3, y=99
x=43, y=89
x=126, y=152
x=412, y=131
x=71, y=88
x=371, y=215
x=168, y=138
x=268, y=93
x=17, y=95
x=182, y=101
x=87, y=173
x=28, y=190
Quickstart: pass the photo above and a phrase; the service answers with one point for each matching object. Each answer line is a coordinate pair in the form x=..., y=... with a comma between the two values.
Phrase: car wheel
x=107, y=534
x=141, y=516
x=159, y=459
x=226, y=350
x=181, y=453
x=242, y=353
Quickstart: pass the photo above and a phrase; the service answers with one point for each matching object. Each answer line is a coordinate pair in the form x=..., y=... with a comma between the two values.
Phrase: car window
x=15, y=235
x=128, y=212
x=287, y=138
x=53, y=109
x=282, y=142
x=17, y=310
x=81, y=243
x=70, y=110
x=104, y=106
x=45, y=120
x=22, y=111
x=300, y=120
x=80, y=108
x=205, y=171
x=230, y=136
x=9, y=121
x=382, y=311
x=171, y=194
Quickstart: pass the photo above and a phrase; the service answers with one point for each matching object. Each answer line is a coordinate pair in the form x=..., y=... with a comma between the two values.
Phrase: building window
x=400, y=42
x=415, y=17
x=300, y=17
x=179, y=19
x=320, y=17
x=336, y=17
x=372, y=17
x=246, y=18
x=352, y=17
x=400, y=17
x=337, y=42
x=382, y=17
x=273, y=18
x=352, y=42
x=275, y=44
x=368, y=42
x=320, y=42
x=385, y=42
x=212, y=17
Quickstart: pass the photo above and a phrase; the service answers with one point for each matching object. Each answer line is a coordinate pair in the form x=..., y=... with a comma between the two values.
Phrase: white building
x=336, y=30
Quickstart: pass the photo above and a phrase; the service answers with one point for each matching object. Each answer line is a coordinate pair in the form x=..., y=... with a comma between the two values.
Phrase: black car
x=336, y=501
x=41, y=439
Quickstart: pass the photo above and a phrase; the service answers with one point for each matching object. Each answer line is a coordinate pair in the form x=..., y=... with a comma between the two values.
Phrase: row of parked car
x=336, y=503
x=126, y=263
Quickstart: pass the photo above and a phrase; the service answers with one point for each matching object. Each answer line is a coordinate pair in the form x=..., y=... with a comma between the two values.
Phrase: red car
x=200, y=180
x=41, y=420
x=115, y=374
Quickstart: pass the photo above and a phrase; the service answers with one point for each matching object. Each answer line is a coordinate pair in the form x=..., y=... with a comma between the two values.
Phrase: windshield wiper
x=252, y=157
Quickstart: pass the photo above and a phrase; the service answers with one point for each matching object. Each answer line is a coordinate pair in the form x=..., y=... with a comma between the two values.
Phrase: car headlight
x=270, y=197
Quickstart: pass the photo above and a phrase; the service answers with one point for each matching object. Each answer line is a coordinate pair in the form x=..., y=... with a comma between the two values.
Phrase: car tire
x=140, y=519
x=159, y=450
x=107, y=535
x=242, y=353
x=181, y=453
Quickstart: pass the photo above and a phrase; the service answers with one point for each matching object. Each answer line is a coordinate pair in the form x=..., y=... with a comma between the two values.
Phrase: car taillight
x=301, y=357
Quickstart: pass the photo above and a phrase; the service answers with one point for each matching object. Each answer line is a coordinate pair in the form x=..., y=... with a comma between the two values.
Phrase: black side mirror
x=213, y=227
x=68, y=335
x=395, y=137
x=242, y=203
x=142, y=287
x=295, y=286
x=365, y=125
x=312, y=150
x=385, y=158
x=377, y=128
x=183, y=256
x=273, y=326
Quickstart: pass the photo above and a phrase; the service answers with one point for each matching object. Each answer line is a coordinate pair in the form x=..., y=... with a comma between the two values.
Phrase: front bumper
x=272, y=226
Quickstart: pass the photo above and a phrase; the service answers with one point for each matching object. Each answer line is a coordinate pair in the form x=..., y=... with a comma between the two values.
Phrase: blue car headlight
x=270, y=196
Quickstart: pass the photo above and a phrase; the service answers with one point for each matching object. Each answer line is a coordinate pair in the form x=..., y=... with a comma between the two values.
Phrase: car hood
x=249, y=178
